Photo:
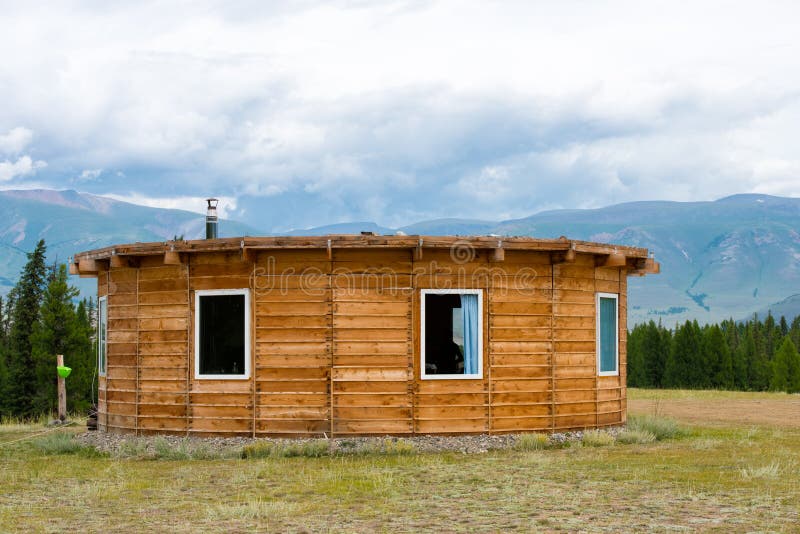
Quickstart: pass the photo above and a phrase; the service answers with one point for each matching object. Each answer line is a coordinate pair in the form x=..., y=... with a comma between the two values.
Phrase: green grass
x=533, y=442
x=597, y=438
x=314, y=448
x=660, y=427
x=60, y=442
x=731, y=478
x=628, y=437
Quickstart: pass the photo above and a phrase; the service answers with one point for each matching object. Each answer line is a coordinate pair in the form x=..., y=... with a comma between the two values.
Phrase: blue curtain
x=608, y=335
x=469, y=314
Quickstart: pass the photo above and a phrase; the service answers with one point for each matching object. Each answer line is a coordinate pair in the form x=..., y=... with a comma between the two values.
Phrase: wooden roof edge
x=231, y=244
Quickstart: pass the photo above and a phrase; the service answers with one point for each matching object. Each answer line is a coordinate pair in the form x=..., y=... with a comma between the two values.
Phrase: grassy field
x=718, y=476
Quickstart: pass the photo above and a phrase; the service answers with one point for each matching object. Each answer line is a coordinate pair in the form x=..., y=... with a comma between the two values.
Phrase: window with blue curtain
x=452, y=334
x=607, y=334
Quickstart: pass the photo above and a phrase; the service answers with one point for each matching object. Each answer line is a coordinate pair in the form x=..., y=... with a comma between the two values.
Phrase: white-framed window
x=222, y=334
x=451, y=334
x=102, y=335
x=607, y=334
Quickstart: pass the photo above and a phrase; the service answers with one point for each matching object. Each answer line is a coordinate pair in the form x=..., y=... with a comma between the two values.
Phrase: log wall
x=335, y=345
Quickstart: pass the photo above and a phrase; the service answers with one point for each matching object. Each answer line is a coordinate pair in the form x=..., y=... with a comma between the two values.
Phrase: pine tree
x=656, y=350
x=741, y=357
x=783, y=326
x=55, y=333
x=684, y=366
x=21, y=384
x=794, y=331
x=83, y=359
x=760, y=370
x=786, y=372
x=637, y=374
x=3, y=365
x=718, y=357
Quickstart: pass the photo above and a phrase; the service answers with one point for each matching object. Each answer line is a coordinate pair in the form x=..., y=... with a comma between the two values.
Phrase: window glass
x=607, y=334
x=221, y=334
x=102, y=332
x=452, y=334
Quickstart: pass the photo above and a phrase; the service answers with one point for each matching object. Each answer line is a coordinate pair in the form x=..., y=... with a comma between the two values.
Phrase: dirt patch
x=784, y=412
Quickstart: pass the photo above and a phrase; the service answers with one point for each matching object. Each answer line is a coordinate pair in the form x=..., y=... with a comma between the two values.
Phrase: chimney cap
x=212, y=202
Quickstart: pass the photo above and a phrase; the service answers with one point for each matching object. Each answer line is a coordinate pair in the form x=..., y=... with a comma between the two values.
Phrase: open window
x=451, y=333
x=222, y=334
x=607, y=334
x=102, y=333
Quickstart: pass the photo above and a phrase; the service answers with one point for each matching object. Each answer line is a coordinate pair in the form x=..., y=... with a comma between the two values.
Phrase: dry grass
x=718, y=408
x=719, y=478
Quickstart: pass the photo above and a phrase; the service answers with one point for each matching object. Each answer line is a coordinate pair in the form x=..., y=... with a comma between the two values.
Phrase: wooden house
x=361, y=335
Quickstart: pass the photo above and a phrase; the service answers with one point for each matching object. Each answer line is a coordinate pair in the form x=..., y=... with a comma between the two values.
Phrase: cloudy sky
x=305, y=113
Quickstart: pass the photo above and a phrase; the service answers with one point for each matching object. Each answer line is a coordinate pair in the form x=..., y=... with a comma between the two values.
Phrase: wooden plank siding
x=292, y=300
x=335, y=345
x=371, y=374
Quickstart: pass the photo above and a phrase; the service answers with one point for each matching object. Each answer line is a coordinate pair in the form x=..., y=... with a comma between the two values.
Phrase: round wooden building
x=361, y=335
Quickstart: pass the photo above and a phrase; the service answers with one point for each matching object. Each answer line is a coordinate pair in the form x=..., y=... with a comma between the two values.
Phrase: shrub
x=132, y=448
x=388, y=446
x=272, y=449
x=597, y=438
x=63, y=443
x=635, y=436
x=164, y=450
x=660, y=427
x=533, y=442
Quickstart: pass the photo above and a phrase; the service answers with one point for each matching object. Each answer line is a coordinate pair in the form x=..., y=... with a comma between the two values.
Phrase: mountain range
x=726, y=258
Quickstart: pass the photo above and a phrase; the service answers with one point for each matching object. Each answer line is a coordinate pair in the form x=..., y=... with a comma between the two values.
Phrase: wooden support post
x=498, y=255
x=73, y=268
x=62, y=391
x=418, y=251
x=172, y=258
x=87, y=266
x=612, y=260
x=118, y=261
x=249, y=255
x=330, y=250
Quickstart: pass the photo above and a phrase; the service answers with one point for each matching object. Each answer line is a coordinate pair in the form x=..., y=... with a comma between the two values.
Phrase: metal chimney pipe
x=211, y=218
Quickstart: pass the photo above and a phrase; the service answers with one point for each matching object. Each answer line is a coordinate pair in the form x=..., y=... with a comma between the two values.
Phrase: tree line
x=753, y=355
x=39, y=318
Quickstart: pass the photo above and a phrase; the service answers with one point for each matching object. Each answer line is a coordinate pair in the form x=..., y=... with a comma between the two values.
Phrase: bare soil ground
x=719, y=408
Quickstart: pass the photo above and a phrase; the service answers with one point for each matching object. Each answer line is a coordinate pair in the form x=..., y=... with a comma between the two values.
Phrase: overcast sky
x=304, y=113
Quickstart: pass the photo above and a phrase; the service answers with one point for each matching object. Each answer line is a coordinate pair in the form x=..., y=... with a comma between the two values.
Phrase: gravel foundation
x=127, y=445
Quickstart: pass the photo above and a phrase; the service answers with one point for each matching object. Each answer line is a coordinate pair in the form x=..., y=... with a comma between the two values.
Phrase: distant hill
x=71, y=222
x=788, y=307
x=727, y=258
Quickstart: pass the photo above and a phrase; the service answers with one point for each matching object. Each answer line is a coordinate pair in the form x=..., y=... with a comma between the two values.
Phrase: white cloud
x=194, y=204
x=89, y=175
x=15, y=140
x=405, y=109
x=23, y=166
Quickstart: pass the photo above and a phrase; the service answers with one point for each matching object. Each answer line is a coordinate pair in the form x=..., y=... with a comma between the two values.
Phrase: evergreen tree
x=786, y=373
x=55, y=333
x=741, y=358
x=83, y=359
x=759, y=368
x=718, y=357
x=655, y=347
x=3, y=365
x=794, y=331
x=783, y=326
x=21, y=383
x=637, y=374
x=685, y=363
